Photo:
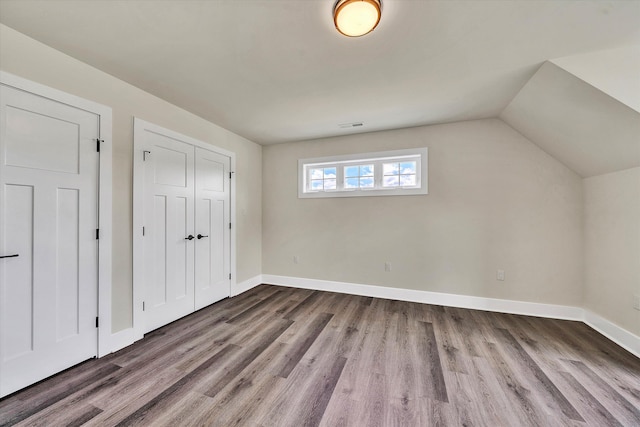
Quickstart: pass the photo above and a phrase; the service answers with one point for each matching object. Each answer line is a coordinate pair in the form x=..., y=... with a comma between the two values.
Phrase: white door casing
x=49, y=216
x=168, y=164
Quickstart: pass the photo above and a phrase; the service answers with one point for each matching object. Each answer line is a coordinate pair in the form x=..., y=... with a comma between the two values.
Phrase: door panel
x=218, y=244
x=170, y=166
x=212, y=266
x=183, y=259
x=169, y=218
x=18, y=227
x=30, y=135
x=67, y=251
x=48, y=215
x=158, y=232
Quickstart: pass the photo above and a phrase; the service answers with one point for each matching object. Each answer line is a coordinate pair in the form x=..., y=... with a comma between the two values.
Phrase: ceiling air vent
x=350, y=125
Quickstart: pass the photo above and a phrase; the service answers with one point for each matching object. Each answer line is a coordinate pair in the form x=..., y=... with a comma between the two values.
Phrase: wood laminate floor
x=277, y=356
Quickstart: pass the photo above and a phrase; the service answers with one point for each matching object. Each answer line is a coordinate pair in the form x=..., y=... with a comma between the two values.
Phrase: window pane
x=351, y=182
x=408, y=168
x=351, y=171
x=366, y=170
x=390, y=168
x=391, y=181
x=366, y=182
x=330, y=172
x=397, y=172
x=406, y=180
x=316, y=173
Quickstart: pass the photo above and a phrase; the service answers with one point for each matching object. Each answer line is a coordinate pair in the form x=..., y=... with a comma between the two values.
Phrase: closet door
x=169, y=226
x=212, y=251
x=48, y=246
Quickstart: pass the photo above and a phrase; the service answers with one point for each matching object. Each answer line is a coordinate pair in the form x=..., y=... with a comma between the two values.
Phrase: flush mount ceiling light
x=355, y=18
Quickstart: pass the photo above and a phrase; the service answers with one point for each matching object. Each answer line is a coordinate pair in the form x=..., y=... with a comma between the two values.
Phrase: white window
x=322, y=179
x=389, y=173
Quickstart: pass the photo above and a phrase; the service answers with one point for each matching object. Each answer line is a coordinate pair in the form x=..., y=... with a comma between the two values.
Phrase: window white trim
x=420, y=155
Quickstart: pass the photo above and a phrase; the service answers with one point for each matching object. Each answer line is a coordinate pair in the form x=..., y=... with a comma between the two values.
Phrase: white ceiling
x=276, y=70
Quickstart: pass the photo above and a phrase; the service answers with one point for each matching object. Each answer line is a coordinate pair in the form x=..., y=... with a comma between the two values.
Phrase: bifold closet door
x=48, y=247
x=169, y=223
x=212, y=227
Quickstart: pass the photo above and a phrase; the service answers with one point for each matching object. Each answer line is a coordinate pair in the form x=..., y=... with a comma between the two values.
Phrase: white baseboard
x=245, y=285
x=436, y=298
x=122, y=339
x=620, y=336
x=615, y=333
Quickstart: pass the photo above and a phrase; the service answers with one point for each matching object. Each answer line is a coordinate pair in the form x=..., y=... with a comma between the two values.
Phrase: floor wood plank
x=277, y=356
x=141, y=415
x=300, y=347
x=548, y=387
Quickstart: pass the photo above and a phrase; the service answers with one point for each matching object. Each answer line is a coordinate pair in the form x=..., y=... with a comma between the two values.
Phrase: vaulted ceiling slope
x=589, y=129
x=616, y=72
x=276, y=70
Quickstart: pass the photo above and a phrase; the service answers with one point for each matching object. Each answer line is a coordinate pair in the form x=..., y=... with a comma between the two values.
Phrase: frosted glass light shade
x=355, y=18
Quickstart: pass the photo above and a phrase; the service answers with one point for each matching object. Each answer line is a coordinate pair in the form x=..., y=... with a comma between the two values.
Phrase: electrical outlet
x=636, y=302
x=500, y=275
x=387, y=266
x=296, y=259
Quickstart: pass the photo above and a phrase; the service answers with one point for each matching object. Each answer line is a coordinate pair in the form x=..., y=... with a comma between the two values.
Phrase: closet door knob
x=190, y=237
x=200, y=236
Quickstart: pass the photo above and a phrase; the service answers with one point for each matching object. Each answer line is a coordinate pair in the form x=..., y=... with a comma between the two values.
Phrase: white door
x=212, y=266
x=182, y=201
x=48, y=220
x=169, y=230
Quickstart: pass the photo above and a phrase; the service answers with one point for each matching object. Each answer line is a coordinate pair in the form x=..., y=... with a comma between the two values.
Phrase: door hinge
x=142, y=305
x=97, y=234
x=230, y=175
x=144, y=155
x=98, y=141
x=143, y=231
x=97, y=322
x=229, y=276
x=229, y=226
